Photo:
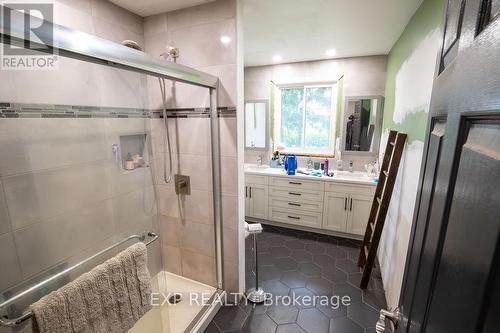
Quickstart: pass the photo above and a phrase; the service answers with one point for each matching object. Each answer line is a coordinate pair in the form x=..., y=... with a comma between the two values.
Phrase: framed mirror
x=256, y=125
x=362, y=125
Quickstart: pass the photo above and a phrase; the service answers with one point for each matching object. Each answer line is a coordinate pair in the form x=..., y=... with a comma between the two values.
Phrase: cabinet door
x=359, y=211
x=258, y=201
x=335, y=211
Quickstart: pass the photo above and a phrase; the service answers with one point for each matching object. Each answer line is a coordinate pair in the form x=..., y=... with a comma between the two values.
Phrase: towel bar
x=16, y=321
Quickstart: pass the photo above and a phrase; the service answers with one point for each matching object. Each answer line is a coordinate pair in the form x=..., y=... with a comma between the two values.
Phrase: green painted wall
x=426, y=19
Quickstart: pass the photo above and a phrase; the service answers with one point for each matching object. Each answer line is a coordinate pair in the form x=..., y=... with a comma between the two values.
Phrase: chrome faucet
x=351, y=166
x=259, y=160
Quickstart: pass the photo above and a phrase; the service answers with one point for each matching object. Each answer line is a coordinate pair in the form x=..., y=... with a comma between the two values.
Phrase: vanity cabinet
x=346, y=212
x=337, y=207
x=256, y=195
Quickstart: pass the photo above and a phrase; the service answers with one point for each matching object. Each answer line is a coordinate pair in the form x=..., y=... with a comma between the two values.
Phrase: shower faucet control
x=182, y=184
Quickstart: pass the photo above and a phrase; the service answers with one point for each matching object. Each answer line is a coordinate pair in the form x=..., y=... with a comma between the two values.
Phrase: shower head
x=172, y=53
x=131, y=44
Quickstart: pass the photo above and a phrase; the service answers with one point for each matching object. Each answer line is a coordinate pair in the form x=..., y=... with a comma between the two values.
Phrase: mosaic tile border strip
x=27, y=110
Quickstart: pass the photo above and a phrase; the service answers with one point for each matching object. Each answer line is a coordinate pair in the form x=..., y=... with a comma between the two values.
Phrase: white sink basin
x=348, y=174
x=256, y=167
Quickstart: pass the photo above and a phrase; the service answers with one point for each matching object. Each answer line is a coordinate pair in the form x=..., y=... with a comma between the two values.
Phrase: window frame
x=305, y=151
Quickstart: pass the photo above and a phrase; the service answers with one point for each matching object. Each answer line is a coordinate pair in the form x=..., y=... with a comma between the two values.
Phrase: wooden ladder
x=380, y=204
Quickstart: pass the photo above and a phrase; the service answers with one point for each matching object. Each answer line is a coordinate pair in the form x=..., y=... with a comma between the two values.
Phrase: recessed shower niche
x=131, y=154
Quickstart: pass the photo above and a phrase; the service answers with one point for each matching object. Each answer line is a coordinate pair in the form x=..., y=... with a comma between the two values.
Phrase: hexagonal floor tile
x=269, y=273
x=295, y=244
x=345, y=289
x=319, y=286
x=362, y=314
x=302, y=298
x=315, y=248
x=289, y=328
x=375, y=298
x=334, y=274
x=283, y=314
x=313, y=321
x=344, y=325
x=280, y=252
x=259, y=324
x=336, y=252
x=230, y=318
x=348, y=266
x=310, y=269
x=286, y=264
x=301, y=256
x=333, y=310
x=355, y=280
x=323, y=260
x=276, y=288
x=294, y=279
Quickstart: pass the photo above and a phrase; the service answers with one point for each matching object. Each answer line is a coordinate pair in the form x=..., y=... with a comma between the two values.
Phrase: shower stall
x=83, y=175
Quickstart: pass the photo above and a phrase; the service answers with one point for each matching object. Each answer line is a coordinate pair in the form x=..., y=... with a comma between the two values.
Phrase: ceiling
x=151, y=7
x=303, y=30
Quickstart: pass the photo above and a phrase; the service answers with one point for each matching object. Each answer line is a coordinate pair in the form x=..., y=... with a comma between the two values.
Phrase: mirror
x=362, y=125
x=256, y=125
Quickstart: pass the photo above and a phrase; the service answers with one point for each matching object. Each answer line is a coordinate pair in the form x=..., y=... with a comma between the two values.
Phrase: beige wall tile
x=108, y=11
x=41, y=195
x=4, y=213
x=9, y=266
x=198, y=267
x=228, y=136
x=172, y=260
x=201, y=47
x=134, y=210
x=226, y=92
x=229, y=168
x=231, y=284
x=230, y=244
x=203, y=14
x=230, y=211
x=155, y=24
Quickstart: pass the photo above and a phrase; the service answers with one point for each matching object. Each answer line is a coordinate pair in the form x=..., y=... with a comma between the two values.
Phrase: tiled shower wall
x=188, y=244
x=62, y=197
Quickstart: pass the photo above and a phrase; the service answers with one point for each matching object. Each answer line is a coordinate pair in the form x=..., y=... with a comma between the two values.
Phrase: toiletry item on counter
x=129, y=163
x=316, y=173
x=317, y=165
x=325, y=167
x=290, y=164
x=310, y=164
x=275, y=161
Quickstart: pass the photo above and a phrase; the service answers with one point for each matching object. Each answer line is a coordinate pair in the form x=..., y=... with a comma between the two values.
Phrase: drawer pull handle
x=294, y=193
x=294, y=217
x=294, y=204
x=294, y=183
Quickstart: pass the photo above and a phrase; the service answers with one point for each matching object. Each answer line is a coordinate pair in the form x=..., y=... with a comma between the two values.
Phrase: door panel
x=472, y=234
x=430, y=165
x=451, y=279
x=258, y=197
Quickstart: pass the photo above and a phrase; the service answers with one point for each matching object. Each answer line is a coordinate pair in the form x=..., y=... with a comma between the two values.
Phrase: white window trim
x=333, y=116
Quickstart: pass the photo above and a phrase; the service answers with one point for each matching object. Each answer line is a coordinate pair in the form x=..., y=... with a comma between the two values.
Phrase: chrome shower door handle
x=393, y=316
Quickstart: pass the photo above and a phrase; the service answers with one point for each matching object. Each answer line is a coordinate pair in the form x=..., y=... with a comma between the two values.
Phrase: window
x=304, y=121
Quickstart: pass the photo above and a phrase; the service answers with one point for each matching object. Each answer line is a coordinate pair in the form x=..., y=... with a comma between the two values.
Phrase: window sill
x=305, y=154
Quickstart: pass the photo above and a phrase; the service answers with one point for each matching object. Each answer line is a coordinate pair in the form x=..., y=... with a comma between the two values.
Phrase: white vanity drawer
x=295, y=195
x=254, y=179
x=308, y=219
x=297, y=183
x=350, y=188
x=296, y=204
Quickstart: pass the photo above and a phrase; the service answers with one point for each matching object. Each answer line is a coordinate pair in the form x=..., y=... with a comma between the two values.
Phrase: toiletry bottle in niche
x=129, y=162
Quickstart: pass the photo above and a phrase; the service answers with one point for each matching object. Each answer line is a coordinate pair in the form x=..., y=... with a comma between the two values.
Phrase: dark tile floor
x=297, y=263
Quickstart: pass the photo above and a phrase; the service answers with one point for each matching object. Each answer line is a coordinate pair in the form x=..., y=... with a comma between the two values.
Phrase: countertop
x=356, y=177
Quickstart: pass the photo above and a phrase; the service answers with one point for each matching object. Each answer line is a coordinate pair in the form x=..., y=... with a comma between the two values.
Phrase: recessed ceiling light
x=331, y=52
x=277, y=58
x=225, y=39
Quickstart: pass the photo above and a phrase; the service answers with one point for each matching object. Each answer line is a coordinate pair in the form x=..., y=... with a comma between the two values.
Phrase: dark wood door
x=452, y=274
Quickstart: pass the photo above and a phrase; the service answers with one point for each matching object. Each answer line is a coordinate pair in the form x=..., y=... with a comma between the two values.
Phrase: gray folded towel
x=110, y=298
